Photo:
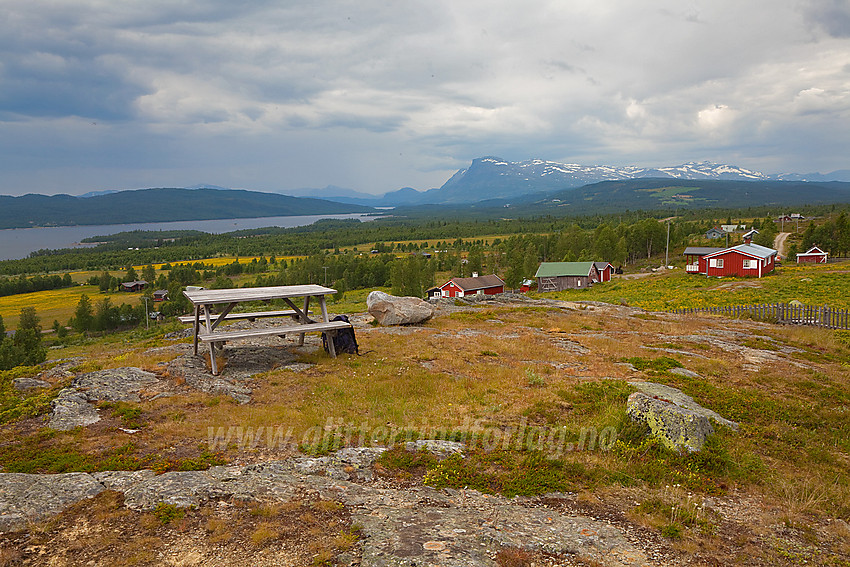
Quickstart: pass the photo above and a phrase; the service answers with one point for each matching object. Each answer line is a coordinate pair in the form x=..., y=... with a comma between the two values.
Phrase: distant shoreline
x=16, y=243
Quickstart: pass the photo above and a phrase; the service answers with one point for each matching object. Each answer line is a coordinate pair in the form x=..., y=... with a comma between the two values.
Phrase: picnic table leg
x=209, y=326
x=197, y=326
x=304, y=319
x=329, y=335
x=212, y=359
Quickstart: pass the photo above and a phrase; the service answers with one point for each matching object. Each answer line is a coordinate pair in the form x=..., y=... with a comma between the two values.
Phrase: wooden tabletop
x=213, y=296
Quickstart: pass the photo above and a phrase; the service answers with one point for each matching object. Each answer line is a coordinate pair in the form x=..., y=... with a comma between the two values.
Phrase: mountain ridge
x=159, y=205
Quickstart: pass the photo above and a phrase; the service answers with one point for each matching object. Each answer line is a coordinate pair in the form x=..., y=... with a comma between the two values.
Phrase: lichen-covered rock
x=676, y=427
x=391, y=310
x=70, y=409
x=679, y=398
x=115, y=384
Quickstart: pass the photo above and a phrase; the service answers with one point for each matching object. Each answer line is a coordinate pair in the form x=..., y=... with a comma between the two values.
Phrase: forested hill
x=159, y=205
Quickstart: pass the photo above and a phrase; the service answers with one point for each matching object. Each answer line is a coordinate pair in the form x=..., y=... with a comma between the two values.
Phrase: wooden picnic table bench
x=222, y=336
x=205, y=299
x=249, y=316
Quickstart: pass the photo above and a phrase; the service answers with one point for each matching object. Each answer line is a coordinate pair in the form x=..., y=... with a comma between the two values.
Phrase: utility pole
x=667, y=250
x=325, y=268
x=147, y=317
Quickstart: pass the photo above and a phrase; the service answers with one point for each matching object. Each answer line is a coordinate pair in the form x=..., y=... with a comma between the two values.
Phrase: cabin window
x=750, y=264
x=715, y=263
x=578, y=283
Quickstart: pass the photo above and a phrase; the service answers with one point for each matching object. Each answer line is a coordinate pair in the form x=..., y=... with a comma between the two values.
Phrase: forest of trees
x=831, y=236
x=24, y=348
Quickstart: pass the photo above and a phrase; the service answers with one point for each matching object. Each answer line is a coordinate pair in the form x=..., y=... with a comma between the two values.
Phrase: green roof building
x=558, y=276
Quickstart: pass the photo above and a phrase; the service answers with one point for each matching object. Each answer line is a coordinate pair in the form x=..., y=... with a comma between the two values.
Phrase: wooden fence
x=819, y=316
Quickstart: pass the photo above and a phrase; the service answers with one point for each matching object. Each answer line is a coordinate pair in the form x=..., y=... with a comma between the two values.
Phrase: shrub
x=167, y=513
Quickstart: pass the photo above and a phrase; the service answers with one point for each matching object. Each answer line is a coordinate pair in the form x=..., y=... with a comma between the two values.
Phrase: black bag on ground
x=344, y=340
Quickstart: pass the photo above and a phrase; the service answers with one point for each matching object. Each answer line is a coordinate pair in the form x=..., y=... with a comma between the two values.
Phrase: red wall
x=451, y=288
x=812, y=259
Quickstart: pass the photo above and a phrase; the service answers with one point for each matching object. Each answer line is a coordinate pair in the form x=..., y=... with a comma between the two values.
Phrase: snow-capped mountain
x=495, y=178
x=491, y=178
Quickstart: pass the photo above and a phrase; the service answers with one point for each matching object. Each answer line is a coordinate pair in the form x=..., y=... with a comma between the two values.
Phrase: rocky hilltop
x=518, y=369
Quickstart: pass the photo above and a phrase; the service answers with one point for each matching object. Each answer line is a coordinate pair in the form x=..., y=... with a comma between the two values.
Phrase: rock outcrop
x=73, y=408
x=391, y=310
x=401, y=526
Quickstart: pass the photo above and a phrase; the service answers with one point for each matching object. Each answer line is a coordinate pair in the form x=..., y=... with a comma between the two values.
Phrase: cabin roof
x=479, y=282
x=754, y=250
x=555, y=269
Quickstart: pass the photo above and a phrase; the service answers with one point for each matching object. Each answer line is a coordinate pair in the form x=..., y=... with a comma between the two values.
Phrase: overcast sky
x=376, y=95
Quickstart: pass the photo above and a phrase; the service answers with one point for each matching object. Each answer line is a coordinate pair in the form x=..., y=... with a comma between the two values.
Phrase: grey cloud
x=833, y=16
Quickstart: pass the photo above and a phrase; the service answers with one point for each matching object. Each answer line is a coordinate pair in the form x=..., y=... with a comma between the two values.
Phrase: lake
x=19, y=242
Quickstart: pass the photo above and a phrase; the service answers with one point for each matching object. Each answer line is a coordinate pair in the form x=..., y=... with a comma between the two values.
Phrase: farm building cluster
x=742, y=260
x=551, y=276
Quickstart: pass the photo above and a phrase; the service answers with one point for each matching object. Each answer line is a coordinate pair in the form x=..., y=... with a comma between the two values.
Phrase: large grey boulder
x=679, y=398
x=676, y=427
x=391, y=310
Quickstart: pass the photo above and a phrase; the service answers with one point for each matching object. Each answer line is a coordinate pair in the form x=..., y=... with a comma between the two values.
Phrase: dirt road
x=779, y=243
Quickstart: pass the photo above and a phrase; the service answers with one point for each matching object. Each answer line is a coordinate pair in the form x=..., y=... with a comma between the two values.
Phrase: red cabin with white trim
x=743, y=261
x=476, y=285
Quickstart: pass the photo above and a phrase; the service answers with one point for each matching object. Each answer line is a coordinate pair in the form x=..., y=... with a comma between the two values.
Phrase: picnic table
x=205, y=300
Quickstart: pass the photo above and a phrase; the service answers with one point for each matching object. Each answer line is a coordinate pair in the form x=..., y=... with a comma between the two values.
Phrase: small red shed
x=604, y=269
x=813, y=255
x=476, y=285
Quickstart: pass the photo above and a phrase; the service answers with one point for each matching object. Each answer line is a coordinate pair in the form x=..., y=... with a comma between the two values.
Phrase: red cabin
x=743, y=261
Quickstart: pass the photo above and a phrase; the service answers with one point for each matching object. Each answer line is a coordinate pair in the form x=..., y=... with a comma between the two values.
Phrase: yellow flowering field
x=222, y=261
x=811, y=285
x=57, y=304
